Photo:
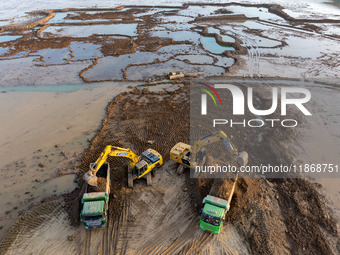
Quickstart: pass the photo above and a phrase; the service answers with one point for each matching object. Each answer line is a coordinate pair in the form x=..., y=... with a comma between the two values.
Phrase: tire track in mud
x=21, y=233
x=196, y=245
x=120, y=235
x=254, y=56
x=110, y=240
x=159, y=213
x=160, y=240
x=190, y=242
x=258, y=223
x=87, y=243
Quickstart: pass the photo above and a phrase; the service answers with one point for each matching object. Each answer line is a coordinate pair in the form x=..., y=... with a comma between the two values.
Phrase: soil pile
x=101, y=186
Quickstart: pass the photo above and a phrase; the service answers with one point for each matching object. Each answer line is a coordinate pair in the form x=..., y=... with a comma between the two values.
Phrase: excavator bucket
x=242, y=158
x=90, y=178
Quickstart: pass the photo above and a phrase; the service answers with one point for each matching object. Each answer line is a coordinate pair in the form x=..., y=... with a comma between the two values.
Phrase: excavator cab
x=148, y=162
x=140, y=168
x=181, y=153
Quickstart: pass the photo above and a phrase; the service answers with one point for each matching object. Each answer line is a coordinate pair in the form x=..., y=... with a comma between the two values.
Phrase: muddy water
x=255, y=25
x=332, y=29
x=53, y=56
x=178, y=35
x=7, y=38
x=225, y=38
x=223, y=61
x=194, y=11
x=61, y=88
x=162, y=87
x=153, y=11
x=253, y=12
x=210, y=44
x=4, y=22
x=60, y=17
x=181, y=49
x=145, y=72
x=111, y=67
x=89, y=30
x=178, y=21
x=3, y=50
x=196, y=59
x=57, y=186
x=81, y=51
x=173, y=26
x=306, y=47
x=251, y=40
x=75, y=52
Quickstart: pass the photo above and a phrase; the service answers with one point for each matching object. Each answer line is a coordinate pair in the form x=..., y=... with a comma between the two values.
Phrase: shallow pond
x=225, y=38
x=7, y=38
x=161, y=69
x=88, y=30
x=210, y=44
x=196, y=59
x=57, y=186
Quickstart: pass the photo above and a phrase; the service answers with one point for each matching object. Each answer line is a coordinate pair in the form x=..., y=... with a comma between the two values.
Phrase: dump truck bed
x=103, y=180
x=216, y=201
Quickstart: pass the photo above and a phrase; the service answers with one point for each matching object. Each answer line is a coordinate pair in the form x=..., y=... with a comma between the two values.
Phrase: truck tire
x=130, y=179
x=148, y=179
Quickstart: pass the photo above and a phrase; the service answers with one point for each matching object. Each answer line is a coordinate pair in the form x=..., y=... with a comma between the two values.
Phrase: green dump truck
x=95, y=200
x=213, y=214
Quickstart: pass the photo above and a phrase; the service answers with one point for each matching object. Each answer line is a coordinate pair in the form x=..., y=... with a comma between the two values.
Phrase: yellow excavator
x=140, y=166
x=187, y=156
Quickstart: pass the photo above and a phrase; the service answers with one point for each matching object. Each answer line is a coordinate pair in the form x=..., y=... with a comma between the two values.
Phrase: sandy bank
x=32, y=124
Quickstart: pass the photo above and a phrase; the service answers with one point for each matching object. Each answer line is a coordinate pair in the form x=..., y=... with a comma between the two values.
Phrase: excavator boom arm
x=113, y=152
x=214, y=137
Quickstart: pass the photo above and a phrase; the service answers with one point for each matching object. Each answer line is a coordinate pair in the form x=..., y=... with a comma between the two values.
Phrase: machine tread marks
x=180, y=169
x=261, y=228
x=148, y=179
x=30, y=221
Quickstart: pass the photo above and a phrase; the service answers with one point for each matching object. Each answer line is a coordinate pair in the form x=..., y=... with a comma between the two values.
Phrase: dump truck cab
x=213, y=214
x=94, y=212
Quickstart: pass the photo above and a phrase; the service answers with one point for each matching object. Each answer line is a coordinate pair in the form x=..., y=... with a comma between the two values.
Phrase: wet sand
x=33, y=123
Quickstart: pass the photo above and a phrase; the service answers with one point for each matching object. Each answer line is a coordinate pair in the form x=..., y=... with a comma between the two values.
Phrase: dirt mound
x=306, y=216
x=101, y=186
